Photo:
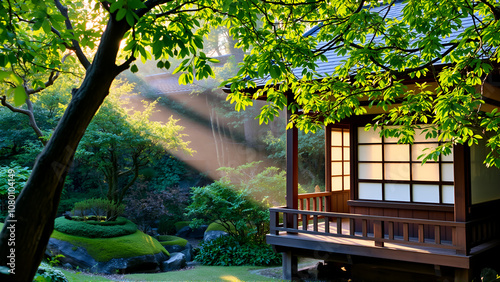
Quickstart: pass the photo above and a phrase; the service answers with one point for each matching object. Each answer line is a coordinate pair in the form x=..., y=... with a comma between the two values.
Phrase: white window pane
x=418, y=149
x=370, y=171
x=336, y=168
x=448, y=194
x=420, y=136
x=426, y=172
x=346, y=137
x=370, y=153
x=347, y=168
x=447, y=172
x=347, y=182
x=337, y=153
x=397, y=192
x=397, y=171
x=336, y=137
x=397, y=152
x=447, y=158
x=370, y=191
x=347, y=153
x=370, y=136
x=426, y=193
x=336, y=183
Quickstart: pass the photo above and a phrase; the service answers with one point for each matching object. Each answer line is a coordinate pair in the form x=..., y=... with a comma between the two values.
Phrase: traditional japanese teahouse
x=382, y=207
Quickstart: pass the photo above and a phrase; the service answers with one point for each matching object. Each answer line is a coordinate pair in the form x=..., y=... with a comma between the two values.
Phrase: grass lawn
x=198, y=273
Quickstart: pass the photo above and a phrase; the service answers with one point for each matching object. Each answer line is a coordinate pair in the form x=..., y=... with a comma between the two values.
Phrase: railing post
x=461, y=241
x=274, y=223
x=378, y=232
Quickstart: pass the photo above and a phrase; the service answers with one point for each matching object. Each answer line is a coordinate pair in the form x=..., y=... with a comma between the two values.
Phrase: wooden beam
x=461, y=164
x=290, y=266
x=292, y=163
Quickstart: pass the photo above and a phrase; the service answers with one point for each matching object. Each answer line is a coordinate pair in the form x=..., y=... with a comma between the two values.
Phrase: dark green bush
x=166, y=225
x=94, y=229
x=181, y=224
x=227, y=251
x=103, y=209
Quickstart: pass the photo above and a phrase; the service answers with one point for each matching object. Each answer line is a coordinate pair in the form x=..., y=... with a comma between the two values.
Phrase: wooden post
x=290, y=269
x=461, y=164
x=378, y=232
x=328, y=166
x=292, y=165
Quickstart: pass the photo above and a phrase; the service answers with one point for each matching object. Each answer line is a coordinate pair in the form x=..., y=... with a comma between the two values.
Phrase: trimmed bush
x=105, y=249
x=99, y=208
x=227, y=251
x=94, y=229
x=168, y=240
x=181, y=224
x=216, y=226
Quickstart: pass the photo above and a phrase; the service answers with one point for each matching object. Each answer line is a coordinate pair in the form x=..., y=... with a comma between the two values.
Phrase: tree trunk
x=32, y=221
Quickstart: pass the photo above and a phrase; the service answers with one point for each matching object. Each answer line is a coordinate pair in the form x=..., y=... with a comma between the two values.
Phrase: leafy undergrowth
x=104, y=249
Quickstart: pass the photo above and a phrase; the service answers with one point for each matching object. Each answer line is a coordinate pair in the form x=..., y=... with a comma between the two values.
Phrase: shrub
x=94, y=229
x=234, y=209
x=227, y=251
x=49, y=274
x=147, y=208
x=169, y=240
x=181, y=224
x=103, y=209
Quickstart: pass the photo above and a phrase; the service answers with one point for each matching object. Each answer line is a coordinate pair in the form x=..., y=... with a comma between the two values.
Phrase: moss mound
x=216, y=226
x=95, y=229
x=181, y=224
x=105, y=249
x=169, y=240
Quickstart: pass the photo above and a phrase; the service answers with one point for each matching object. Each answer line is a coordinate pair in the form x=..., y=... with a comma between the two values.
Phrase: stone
x=184, y=232
x=188, y=252
x=199, y=232
x=214, y=234
x=176, y=262
x=78, y=257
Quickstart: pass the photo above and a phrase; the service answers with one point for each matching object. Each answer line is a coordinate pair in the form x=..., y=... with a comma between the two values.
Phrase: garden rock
x=214, y=234
x=176, y=261
x=78, y=257
x=188, y=232
x=186, y=250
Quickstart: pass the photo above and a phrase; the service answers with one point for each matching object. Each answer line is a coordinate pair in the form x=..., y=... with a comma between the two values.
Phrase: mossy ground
x=104, y=249
x=169, y=240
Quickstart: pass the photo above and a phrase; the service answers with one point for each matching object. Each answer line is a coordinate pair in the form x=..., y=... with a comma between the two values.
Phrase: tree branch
x=76, y=45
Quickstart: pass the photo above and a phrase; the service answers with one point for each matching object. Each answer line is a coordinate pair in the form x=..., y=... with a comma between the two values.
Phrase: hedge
x=95, y=229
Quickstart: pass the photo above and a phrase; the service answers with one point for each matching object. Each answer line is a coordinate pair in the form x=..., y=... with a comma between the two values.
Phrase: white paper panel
x=447, y=172
x=337, y=168
x=397, y=171
x=418, y=149
x=336, y=183
x=420, y=136
x=370, y=191
x=426, y=193
x=397, y=192
x=447, y=158
x=426, y=172
x=336, y=137
x=346, y=138
x=370, y=153
x=337, y=153
x=347, y=168
x=347, y=153
x=370, y=171
x=370, y=136
x=397, y=152
x=448, y=194
x=347, y=182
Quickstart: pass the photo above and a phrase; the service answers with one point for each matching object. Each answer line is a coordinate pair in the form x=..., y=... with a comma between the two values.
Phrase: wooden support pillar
x=461, y=164
x=463, y=275
x=290, y=266
x=292, y=165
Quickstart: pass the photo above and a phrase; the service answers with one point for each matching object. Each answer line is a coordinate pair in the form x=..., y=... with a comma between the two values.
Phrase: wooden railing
x=319, y=201
x=379, y=229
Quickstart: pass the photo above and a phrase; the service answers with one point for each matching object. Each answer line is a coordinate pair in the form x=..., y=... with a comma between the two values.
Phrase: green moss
x=181, y=224
x=216, y=226
x=104, y=249
x=94, y=229
x=169, y=240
